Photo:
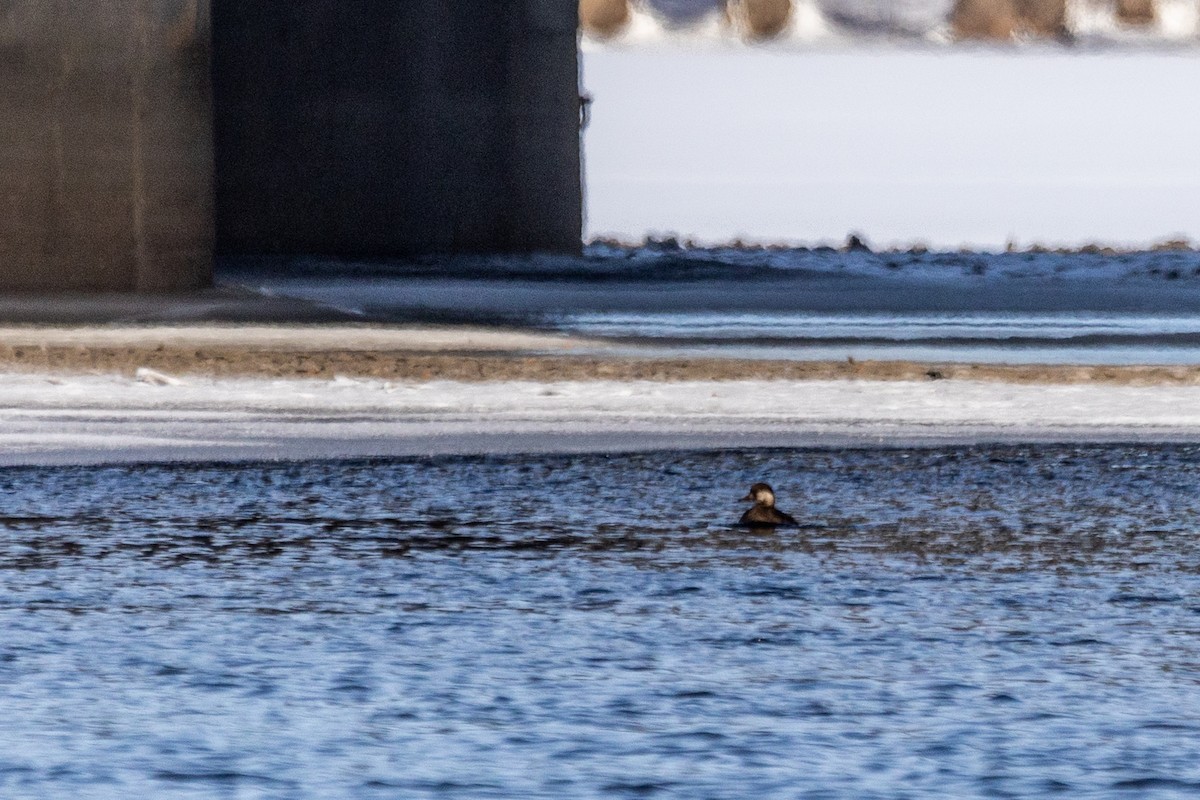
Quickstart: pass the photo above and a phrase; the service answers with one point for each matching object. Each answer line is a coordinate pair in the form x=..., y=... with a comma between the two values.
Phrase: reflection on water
x=887, y=326
x=932, y=327
x=966, y=336
x=949, y=622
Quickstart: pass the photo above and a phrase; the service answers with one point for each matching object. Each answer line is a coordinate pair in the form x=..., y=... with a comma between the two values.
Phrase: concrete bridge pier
x=136, y=133
x=105, y=145
x=381, y=128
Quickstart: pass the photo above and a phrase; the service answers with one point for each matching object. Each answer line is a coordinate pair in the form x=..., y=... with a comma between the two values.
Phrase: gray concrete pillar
x=105, y=145
x=543, y=109
x=382, y=128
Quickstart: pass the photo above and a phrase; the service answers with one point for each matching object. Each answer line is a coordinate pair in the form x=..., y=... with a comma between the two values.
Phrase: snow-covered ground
x=100, y=419
x=410, y=338
x=971, y=146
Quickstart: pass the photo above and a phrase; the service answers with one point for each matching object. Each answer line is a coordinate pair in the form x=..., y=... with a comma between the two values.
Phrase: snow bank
x=409, y=338
x=45, y=419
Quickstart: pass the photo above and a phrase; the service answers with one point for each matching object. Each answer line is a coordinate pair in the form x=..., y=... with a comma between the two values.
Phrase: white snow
x=421, y=338
x=156, y=378
x=96, y=419
x=974, y=146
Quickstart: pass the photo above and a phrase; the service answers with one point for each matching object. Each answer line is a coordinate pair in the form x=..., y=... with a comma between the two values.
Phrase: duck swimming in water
x=764, y=514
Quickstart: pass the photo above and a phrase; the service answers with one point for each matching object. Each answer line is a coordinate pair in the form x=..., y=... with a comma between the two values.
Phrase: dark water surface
x=968, y=622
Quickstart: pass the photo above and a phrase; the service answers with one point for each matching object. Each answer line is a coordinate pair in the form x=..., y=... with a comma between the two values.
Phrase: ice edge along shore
x=94, y=419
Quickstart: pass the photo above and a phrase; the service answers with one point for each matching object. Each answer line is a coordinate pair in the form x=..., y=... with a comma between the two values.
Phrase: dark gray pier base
x=381, y=128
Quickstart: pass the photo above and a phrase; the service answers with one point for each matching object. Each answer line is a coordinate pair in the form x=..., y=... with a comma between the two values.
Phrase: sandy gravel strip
x=424, y=353
x=479, y=364
x=466, y=353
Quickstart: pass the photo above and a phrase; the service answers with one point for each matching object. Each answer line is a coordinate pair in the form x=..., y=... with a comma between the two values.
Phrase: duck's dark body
x=766, y=517
x=764, y=514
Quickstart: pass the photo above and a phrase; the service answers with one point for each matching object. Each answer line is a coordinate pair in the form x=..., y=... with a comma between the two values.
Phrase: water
x=972, y=336
x=983, y=621
x=668, y=299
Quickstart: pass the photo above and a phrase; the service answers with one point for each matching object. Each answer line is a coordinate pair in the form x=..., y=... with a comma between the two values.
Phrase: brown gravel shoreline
x=243, y=361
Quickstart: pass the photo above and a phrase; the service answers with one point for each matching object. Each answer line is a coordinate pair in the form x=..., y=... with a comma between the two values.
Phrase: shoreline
x=59, y=419
x=196, y=393
x=549, y=360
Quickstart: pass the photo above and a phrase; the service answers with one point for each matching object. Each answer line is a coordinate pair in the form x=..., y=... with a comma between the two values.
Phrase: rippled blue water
x=983, y=621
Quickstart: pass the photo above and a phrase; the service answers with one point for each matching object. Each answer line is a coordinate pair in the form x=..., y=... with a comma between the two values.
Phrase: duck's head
x=761, y=494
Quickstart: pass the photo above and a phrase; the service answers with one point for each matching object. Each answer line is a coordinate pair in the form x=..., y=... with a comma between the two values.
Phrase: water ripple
x=947, y=622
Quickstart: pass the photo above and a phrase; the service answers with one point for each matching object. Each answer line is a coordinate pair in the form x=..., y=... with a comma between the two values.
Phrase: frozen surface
x=112, y=419
x=1097, y=307
x=973, y=146
x=327, y=336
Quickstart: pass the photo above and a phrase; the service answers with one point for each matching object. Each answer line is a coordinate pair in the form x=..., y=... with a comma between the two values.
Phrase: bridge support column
x=382, y=128
x=105, y=145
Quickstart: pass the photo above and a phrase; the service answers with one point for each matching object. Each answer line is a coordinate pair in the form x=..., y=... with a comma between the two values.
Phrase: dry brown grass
x=1136, y=12
x=761, y=19
x=1004, y=19
x=604, y=18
